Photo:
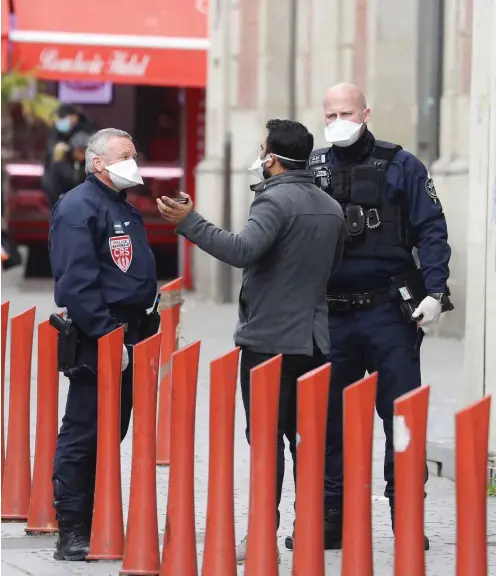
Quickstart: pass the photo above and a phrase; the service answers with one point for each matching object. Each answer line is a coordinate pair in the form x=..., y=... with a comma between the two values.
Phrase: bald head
x=345, y=101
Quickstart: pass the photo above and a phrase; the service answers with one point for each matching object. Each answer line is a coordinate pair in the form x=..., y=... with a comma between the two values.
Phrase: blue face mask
x=63, y=125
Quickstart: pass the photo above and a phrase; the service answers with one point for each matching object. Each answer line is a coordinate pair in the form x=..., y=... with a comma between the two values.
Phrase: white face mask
x=124, y=174
x=342, y=133
x=257, y=167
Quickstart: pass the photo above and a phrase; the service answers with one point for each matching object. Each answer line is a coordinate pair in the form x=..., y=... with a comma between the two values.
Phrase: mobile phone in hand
x=180, y=200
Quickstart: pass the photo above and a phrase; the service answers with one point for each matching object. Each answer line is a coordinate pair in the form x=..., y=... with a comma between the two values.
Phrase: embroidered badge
x=121, y=249
x=431, y=189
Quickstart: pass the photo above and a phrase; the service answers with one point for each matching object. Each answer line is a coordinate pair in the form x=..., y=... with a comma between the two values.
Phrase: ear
x=366, y=116
x=271, y=161
x=98, y=164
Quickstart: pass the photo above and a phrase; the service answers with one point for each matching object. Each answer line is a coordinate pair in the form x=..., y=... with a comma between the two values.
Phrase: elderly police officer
x=391, y=207
x=105, y=276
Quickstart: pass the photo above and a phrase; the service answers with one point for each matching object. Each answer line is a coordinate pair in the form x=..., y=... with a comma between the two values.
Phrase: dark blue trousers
x=373, y=340
x=75, y=455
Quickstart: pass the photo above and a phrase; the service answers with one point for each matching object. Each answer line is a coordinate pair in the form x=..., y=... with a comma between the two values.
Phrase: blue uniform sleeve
x=428, y=225
x=76, y=270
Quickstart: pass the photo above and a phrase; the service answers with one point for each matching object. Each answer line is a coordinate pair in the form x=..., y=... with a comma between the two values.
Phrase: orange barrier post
x=313, y=394
x=179, y=552
x=170, y=308
x=472, y=436
x=16, y=488
x=5, y=321
x=410, y=430
x=358, y=425
x=261, y=547
x=107, y=534
x=219, y=556
x=141, y=550
x=41, y=517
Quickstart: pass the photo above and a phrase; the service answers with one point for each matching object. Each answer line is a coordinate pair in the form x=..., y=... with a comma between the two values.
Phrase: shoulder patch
x=431, y=189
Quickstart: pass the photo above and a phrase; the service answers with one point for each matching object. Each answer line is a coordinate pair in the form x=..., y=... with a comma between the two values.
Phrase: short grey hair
x=97, y=145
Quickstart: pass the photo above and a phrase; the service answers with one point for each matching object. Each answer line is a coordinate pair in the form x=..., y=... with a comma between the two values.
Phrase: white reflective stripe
x=158, y=172
x=113, y=40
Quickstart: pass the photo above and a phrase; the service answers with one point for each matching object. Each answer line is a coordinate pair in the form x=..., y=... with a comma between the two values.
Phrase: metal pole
x=293, y=45
x=225, y=270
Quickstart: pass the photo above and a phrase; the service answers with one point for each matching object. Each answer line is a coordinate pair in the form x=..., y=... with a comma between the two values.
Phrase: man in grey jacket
x=291, y=243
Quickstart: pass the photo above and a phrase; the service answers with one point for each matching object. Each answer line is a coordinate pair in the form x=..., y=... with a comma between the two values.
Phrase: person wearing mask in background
x=104, y=273
x=291, y=243
x=391, y=207
x=68, y=121
x=68, y=168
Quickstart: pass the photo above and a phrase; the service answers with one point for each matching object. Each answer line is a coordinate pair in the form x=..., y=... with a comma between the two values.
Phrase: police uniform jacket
x=100, y=256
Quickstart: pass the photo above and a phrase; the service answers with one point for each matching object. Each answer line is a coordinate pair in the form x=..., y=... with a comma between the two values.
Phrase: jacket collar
x=288, y=177
x=110, y=192
x=357, y=152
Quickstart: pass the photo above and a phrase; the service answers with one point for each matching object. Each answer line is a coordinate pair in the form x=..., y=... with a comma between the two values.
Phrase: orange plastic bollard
x=313, y=394
x=261, y=547
x=5, y=322
x=358, y=432
x=472, y=437
x=16, y=488
x=107, y=534
x=410, y=430
x=179, y=552
x=219, y=556
x=41, y=517
x=170, y=307
x=141, y=550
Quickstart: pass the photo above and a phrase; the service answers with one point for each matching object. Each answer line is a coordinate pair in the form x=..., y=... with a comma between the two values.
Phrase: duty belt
x=363, y=301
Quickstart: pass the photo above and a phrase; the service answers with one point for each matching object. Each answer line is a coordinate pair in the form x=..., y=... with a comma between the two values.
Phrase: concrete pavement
x=213, y=325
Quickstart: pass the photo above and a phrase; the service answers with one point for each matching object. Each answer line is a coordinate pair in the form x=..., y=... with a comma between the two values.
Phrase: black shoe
x=333, y=531
x=73, y=542
x=427, y=544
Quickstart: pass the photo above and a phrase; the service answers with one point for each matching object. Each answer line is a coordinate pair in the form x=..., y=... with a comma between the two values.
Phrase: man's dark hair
x=290, y=139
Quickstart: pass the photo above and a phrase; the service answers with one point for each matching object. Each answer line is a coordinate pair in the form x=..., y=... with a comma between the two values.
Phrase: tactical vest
x=377, y=226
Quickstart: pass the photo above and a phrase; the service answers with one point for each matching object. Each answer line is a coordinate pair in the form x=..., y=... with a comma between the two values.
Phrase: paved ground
x=23, y=555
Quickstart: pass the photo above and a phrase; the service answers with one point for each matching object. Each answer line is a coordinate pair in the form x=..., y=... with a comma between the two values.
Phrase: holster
x=150, y=325
x=68, y=340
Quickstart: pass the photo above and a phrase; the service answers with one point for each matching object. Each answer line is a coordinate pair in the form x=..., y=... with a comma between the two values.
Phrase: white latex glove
x=125, y=357
x=430, y=309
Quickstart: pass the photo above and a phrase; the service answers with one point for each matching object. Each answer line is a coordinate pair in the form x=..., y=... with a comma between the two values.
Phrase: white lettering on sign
x=50, y=61
x=125, y=64
x=121, y=63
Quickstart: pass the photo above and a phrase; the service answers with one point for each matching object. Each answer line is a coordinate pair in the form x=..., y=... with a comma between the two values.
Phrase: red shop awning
x=5, y=34
x=156, y=42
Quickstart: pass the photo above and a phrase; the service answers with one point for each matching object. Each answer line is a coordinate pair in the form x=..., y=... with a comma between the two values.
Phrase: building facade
x=277, y=58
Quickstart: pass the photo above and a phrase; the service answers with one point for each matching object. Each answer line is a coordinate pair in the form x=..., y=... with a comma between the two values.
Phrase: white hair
x=97, y=145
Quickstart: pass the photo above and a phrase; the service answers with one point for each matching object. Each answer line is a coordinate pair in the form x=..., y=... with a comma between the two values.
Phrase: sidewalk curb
x=441, y=459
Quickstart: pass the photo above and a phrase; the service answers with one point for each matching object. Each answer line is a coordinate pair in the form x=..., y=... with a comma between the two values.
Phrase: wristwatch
x=438, y=296
x=443, y=299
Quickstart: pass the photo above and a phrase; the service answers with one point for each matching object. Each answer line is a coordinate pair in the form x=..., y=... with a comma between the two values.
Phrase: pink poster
x=81, y=92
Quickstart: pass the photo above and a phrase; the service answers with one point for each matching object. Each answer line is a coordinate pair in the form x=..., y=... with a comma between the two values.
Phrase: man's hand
x=429, y=309
x=174, y=212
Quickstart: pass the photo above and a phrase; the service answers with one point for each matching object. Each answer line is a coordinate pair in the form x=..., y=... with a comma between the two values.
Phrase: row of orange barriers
x=171, y=442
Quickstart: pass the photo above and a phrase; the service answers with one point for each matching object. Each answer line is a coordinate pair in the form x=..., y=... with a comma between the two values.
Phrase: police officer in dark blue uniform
x=105, y=276
x=391, y=207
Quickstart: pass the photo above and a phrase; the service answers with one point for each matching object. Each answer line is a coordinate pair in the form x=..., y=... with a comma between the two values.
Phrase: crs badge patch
x=121, y=249
x=431, y=189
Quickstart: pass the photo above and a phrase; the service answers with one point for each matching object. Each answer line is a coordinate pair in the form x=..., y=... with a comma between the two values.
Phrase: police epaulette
x=385, y=150
x=318, y=156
